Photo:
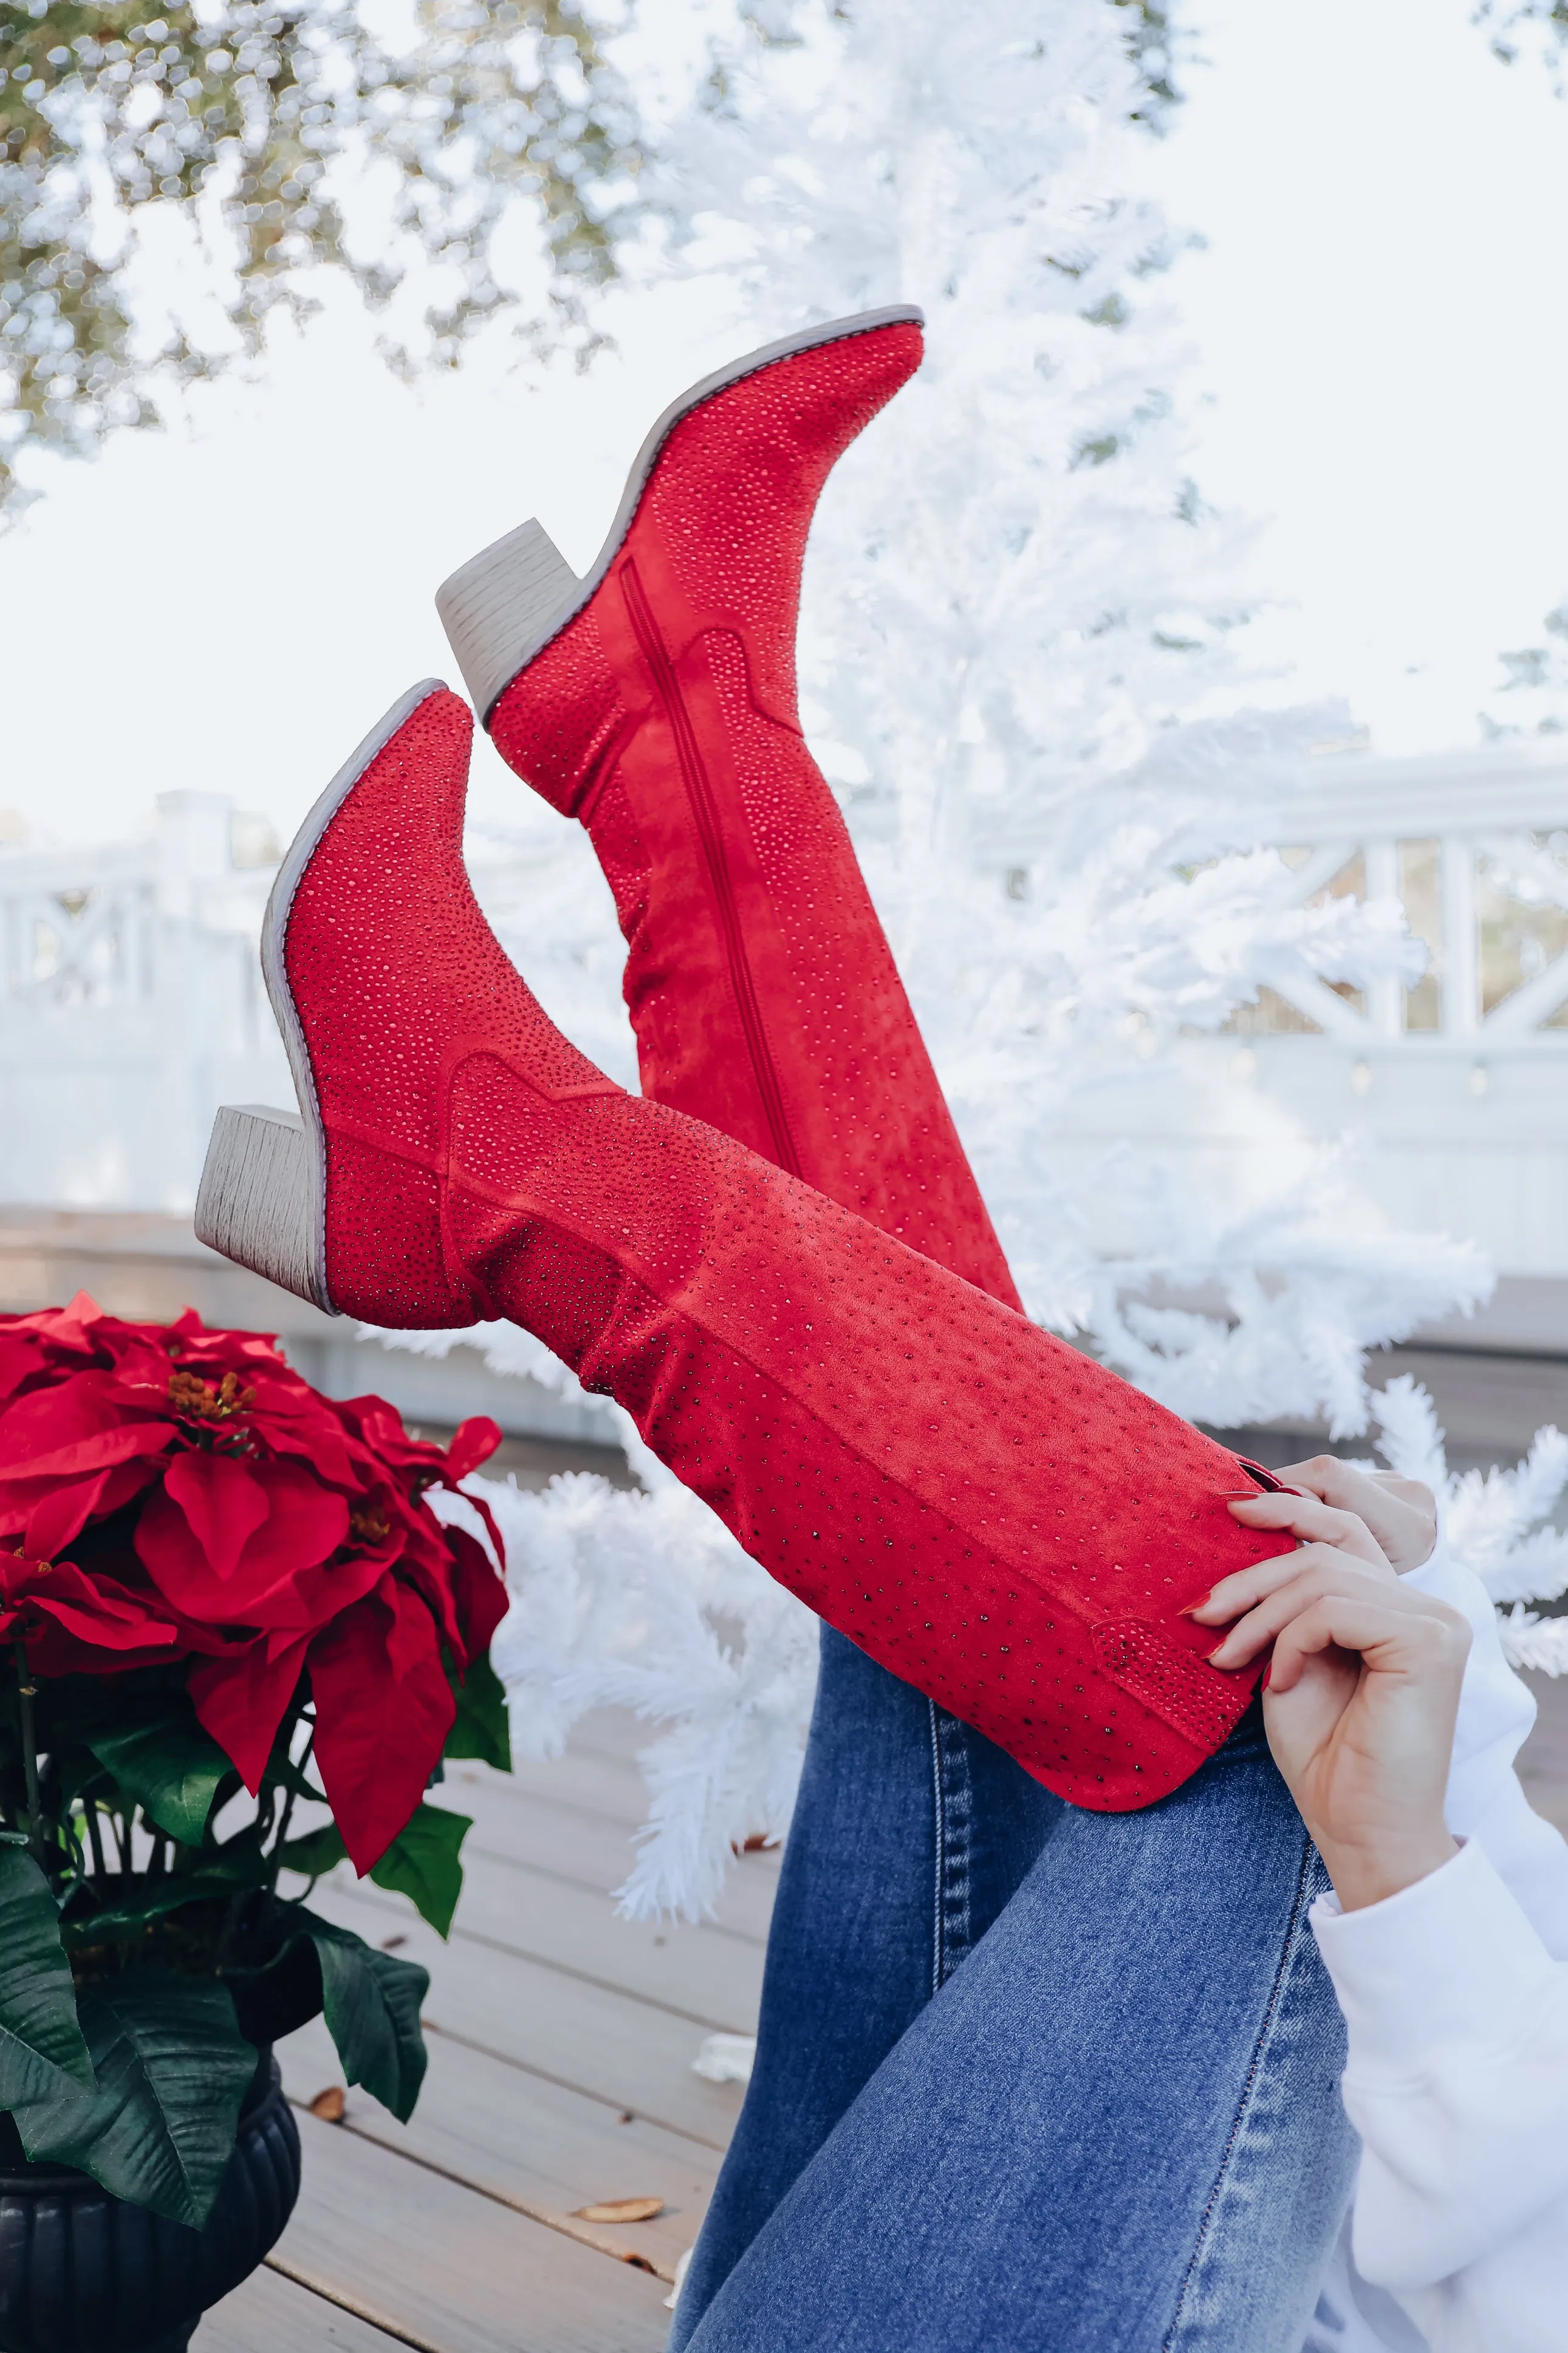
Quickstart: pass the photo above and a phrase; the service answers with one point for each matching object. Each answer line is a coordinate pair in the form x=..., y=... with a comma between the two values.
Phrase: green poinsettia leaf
x=173, y=2069
x=480, y=1727
x=152, y=1899
x=371, y=2004
x=76, y=1770
x=317, y=1852
x=170, y=1766
x=422, y=1863
x=132, y=1901
x=41, y=2046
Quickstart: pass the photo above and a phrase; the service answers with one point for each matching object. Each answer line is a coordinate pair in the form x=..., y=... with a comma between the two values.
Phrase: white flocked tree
x=1024, y=666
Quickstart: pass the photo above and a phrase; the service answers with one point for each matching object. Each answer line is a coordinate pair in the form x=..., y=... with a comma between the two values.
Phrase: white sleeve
x=1456, y=2002
x=1484, y=1801
x=1458, y=2082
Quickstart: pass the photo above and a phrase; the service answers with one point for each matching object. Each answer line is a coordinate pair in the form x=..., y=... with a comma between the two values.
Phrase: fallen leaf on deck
x=328, y=2105
x=622, y=2209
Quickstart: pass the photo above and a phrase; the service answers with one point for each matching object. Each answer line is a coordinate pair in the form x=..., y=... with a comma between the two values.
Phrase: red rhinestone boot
x=986, y=1513
x=378, y=963
x=655, y=700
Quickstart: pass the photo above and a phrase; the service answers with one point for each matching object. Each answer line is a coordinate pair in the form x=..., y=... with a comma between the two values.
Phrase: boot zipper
x=699, y=793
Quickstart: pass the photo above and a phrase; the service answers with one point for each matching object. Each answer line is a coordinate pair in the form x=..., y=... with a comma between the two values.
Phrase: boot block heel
x=502, y=607
x=258, y=1202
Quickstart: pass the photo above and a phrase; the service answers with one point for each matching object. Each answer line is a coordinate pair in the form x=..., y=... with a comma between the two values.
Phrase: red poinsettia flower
x=170, y=1492
x=58, y=1611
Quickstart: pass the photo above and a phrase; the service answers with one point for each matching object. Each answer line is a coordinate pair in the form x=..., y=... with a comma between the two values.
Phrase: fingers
x=1313, y=1521
x=1418, y=1498
x=1320, y=1572
x=1415, y=1492
x=1301, y=1515
x=1400, y=1512
x=1426, y=1647
x=1308, y=1572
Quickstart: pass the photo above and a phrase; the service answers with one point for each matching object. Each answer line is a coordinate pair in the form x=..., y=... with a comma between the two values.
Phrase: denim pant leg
x=911, y=1834
x=1116, y=2129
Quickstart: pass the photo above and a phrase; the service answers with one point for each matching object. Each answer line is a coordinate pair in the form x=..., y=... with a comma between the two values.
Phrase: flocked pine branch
x=1498, y=1522
x=1535, y=680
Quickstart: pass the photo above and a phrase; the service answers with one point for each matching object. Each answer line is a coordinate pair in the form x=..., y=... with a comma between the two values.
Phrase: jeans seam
x=953, y=1789
x=939, y=1811
x=1271, y=2010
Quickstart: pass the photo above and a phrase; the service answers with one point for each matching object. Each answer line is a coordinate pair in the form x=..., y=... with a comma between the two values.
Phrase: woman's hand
x=1401, y=1515
x=1362, y=1692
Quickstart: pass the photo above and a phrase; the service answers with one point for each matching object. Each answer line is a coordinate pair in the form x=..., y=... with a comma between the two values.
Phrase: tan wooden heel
x=258, y=1200
x=503, y=605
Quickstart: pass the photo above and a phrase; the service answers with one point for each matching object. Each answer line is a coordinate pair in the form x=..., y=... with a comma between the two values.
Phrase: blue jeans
x=1029, y=2079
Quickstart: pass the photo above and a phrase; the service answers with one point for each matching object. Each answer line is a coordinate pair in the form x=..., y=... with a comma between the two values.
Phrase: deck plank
x=270, y=2313
x=540, y=2148
x=591, y=1850
x=701, y=1974
x=589, y=1778
x=447, y=2270
x=618, y=2049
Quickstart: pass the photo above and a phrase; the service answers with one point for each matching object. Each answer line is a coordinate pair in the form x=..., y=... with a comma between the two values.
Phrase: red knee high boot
x=982, y=1510
x=656, y=700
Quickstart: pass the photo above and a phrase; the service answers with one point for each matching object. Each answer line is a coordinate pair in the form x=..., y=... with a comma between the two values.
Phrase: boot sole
x=262, y=1200
x=502, y=609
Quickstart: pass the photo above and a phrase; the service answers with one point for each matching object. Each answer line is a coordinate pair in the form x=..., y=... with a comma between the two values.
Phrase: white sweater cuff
x=1447, y=1961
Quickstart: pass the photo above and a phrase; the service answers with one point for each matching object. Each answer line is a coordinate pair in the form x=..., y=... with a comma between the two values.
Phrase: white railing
x=1458, y=1085
x=1475, y=846
x=131, y=1005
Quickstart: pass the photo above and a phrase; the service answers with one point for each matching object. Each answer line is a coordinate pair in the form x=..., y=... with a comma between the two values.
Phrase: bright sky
x=1382, y=321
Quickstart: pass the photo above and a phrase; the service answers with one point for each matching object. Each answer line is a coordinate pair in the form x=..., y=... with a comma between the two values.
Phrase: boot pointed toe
x=376, y=957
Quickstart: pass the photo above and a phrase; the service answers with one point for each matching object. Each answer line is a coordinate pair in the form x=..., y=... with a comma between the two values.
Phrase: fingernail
x=1267, y=1673
x=1212, y=1657
x=1191, y=1608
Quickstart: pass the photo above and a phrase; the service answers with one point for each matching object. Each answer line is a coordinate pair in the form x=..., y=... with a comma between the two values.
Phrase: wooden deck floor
x=561, y=2044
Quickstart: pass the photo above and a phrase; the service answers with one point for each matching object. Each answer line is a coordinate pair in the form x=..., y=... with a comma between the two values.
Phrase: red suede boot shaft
x=762, y=989
x=985, y=1512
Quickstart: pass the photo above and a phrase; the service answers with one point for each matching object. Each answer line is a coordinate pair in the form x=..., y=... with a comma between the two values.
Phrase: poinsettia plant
x=236, y=1642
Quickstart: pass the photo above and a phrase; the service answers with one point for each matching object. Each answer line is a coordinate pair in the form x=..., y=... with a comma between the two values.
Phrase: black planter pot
x=270, y=2003
x=82, y=2272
